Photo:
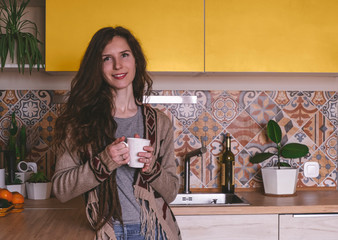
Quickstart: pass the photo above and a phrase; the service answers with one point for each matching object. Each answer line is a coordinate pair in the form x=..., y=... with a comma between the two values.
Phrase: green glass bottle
x=228, y=168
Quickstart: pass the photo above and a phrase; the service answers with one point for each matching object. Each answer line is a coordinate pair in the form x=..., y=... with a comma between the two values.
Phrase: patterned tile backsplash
x=308, y=117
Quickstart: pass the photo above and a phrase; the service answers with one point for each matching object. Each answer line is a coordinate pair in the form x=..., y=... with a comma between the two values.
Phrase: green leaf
x=284, y=164
x=260, y=157
x=29, y=54
x=20, y=52
x=10, y=46
x=274, y=132
x=37, y=177
x=3, y=50
x=294, y=150
x=13, y=128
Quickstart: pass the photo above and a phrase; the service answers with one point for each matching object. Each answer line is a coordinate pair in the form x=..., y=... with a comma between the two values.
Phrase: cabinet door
x=171, y=32
x=234, y=227
x=271, y=36
x=309, y=226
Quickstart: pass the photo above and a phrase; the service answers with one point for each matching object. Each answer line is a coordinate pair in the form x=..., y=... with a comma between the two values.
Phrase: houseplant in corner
x=18, y=36
x=38, y=186
x=280, y=179
x=16, y=186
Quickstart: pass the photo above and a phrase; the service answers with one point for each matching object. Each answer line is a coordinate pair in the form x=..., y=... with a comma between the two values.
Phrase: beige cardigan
x=156, y=188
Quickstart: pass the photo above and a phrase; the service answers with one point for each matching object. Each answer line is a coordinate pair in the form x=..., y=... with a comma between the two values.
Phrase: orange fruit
x=5, y=194
x=17, y=198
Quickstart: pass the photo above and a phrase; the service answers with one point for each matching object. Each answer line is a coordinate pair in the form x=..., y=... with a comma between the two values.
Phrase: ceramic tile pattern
x=308, y=117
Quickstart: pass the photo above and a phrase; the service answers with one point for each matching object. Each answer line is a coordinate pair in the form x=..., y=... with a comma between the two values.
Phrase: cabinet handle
x=315, y=215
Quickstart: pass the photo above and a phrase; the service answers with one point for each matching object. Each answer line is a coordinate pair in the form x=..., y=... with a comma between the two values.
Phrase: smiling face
x=118, y=64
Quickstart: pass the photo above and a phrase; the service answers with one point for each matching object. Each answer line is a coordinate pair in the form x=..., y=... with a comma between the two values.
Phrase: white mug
x=27, y=166
x=22, y=166
x=135, y=146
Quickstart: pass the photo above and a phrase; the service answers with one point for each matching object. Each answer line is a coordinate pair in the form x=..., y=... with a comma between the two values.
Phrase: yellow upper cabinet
x=271, y=35
x=171, y=32
x=183, y=36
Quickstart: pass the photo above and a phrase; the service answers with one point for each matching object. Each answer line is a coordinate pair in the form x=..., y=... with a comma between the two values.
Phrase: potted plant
x=15, y=38
x=16, y=186
x=38, y=186
x=280, y=179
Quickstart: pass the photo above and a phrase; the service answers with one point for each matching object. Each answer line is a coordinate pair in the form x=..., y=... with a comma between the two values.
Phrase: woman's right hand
x=119, y=151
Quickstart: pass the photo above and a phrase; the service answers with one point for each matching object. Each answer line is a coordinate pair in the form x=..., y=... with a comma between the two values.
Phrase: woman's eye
x=105, y=59
x=125, y=55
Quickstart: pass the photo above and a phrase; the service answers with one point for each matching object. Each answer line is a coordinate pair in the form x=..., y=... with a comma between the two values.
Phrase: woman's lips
x=119, y=76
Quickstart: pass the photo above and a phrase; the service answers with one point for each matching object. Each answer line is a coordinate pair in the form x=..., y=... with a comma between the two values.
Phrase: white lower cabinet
x=259, y=227
x=232, y=227
x=308, y=227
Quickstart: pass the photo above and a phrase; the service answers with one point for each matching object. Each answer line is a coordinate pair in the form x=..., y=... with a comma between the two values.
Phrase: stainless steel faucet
x=187, y=157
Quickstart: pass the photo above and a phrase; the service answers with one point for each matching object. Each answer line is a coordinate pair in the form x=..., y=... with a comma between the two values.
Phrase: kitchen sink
x=219, y=199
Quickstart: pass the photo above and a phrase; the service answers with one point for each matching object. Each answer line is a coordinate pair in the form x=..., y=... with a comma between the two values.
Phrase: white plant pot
x=20, y=188
x=23, y=176
x=38, y=191
x=9, y=62
x=2, y=178
x=281, y=181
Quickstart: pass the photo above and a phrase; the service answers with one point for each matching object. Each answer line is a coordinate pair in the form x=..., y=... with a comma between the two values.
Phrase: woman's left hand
x=145, y=157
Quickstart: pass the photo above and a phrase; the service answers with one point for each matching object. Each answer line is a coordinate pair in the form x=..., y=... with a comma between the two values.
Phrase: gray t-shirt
x=125, y=175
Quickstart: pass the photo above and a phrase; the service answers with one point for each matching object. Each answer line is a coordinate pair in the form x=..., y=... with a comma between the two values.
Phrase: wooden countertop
x=47, y=219
x=301, y=202
x=50, y=219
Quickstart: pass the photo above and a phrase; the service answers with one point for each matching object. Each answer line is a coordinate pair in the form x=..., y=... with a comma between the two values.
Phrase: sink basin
x=220, y=199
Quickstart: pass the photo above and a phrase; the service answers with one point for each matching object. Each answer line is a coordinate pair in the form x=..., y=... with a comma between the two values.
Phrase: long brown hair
x=87, y=120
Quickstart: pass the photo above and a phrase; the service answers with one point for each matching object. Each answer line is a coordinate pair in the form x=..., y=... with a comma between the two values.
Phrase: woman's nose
x=117, y=64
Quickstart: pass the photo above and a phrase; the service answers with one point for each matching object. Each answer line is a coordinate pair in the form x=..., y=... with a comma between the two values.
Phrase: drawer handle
x=315, y=215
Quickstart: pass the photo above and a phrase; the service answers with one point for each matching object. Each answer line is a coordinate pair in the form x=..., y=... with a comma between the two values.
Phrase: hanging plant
x=15, y=38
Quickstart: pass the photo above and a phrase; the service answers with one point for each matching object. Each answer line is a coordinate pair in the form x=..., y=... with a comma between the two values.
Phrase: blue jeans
x=131, y=232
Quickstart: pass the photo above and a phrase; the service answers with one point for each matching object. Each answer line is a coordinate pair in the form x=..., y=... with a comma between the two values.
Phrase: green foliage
x=294, y=150
x=38, y=177
x=274, y=132
x=261, y=157
x=17, y=139
x=290, y=150
x=16, y=180
x=13, y=129
x=14, y=35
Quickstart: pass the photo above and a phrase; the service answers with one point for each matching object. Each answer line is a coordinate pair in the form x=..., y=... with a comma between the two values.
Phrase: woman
x=104, y=108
